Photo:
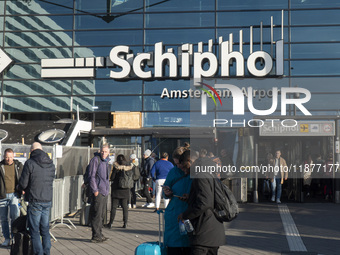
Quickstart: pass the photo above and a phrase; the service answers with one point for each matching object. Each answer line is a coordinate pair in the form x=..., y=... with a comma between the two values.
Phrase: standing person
x=176, y=185
x=279, y=175
x=208, y=234
x=159, y=172
x=10, y=173
x=307, y=174
x=146, y=174
x=133, y=197
x=120, y=188
x=100, y=185
x=36, y=182
x=328, y=178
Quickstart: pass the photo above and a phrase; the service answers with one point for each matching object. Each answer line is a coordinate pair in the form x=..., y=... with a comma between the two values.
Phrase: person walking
x=159, y=172
x=136, y=175
x=147, y=181
x=100, y=185
x=10, y=172
x=36, y=182
x=121, y=177
x=278, y=176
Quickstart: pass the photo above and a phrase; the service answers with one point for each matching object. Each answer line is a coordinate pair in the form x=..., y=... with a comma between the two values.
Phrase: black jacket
x=37, y=177
x=208, y=231
x=148, y=164
x=18, y=170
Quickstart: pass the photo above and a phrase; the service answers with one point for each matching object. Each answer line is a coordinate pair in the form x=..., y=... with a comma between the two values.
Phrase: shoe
x=273, y=199
x=129, y=205
x=134, y=206
x=96, y=240
x=151, y=205
x=108, y=225
x=6, y=242
x=278, y=201
x=125, y=225
x=155, y=210
x=145, y=205
x=104, y=238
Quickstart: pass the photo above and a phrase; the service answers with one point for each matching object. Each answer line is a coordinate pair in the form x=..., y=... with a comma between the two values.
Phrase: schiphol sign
x=204, y=63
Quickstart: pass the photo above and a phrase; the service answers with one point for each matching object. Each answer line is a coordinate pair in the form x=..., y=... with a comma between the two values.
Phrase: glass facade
x=32, y=30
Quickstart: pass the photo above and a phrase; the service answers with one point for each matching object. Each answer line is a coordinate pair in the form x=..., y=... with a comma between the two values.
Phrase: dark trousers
x=202, y=250
x=178, y=250
x=114, y=205
x=98, y=206
x=147, y=183
x=133, y=197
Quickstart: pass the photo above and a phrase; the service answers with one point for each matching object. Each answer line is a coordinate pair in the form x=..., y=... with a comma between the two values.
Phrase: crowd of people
x=34, y=180
x=185, y=198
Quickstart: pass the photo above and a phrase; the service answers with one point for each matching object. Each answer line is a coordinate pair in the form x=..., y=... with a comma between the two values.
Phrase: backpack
x=87, y=192
x=225, y=204
x=136, y=173
x=125, y=180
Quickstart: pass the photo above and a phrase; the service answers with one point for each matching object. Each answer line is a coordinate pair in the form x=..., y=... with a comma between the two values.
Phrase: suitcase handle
x=160, y=231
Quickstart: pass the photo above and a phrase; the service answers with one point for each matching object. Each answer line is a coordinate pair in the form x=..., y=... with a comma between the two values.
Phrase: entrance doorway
x=295, y=150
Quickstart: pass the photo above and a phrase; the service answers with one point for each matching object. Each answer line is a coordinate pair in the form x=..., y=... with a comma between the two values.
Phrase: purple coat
x=99, y=181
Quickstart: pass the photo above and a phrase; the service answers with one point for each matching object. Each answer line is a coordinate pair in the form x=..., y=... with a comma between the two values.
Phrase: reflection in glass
x=315, y=67
x=313, y=17
x=15, y=7
x=180, y=20
x=179, y=5
x=36, y=104
x=121, y=22
x=156, y=103
x=119, y=103
x=252, y=4
x=156, y=119
x=315, y=34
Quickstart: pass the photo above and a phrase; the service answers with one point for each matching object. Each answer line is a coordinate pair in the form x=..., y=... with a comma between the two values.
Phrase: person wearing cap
x=146, y=174
x=133, y=198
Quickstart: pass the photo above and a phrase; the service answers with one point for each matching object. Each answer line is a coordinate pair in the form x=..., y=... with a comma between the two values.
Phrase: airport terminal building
x=142, y=71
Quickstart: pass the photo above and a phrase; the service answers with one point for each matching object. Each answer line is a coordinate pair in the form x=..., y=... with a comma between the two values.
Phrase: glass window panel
x=315, y=67
x=44, y=39
x=118, y=22
x=156, y=103
x=106, y=87
x=157, y=87
x=2, y=7
x=315, y=50
x=252, y=18
x=85, y=103
x=323, y=102
x=24, y=71
x=1, y=23
x=180, y=20
x=315, y=34
x=109, y=37
x=179, y=5
x=119, y=103
x=36, y=104
x=314, y=4
x=169, y=119
x=115, y=6
x=316, y=84
x=318, y=17
x=251, y=4
x=35, y=87
x=22, y=23
x=15, y=7
x=179, y=36
x=36, y=54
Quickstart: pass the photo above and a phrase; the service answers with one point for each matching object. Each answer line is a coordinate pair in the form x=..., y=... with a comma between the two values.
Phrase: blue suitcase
x=153, y=248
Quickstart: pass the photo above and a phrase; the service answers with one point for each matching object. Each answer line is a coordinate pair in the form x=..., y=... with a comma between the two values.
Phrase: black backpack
x=87, y=191
x=225, y=204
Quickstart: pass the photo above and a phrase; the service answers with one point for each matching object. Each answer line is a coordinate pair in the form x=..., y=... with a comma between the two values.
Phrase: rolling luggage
x=21, y=241
x=153, y=248
x=84, y=218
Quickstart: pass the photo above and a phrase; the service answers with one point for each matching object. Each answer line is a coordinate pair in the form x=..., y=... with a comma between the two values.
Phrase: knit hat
x=133, y=156
x=147, y=153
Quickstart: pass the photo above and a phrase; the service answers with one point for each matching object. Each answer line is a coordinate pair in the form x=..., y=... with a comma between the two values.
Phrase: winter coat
x=18, y=170
x=99, y=175
x=116, y=191
x=208, y=231
x=37, y=177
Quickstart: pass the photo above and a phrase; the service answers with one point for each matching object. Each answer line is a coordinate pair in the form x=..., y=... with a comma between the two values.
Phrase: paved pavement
x=263, y=228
